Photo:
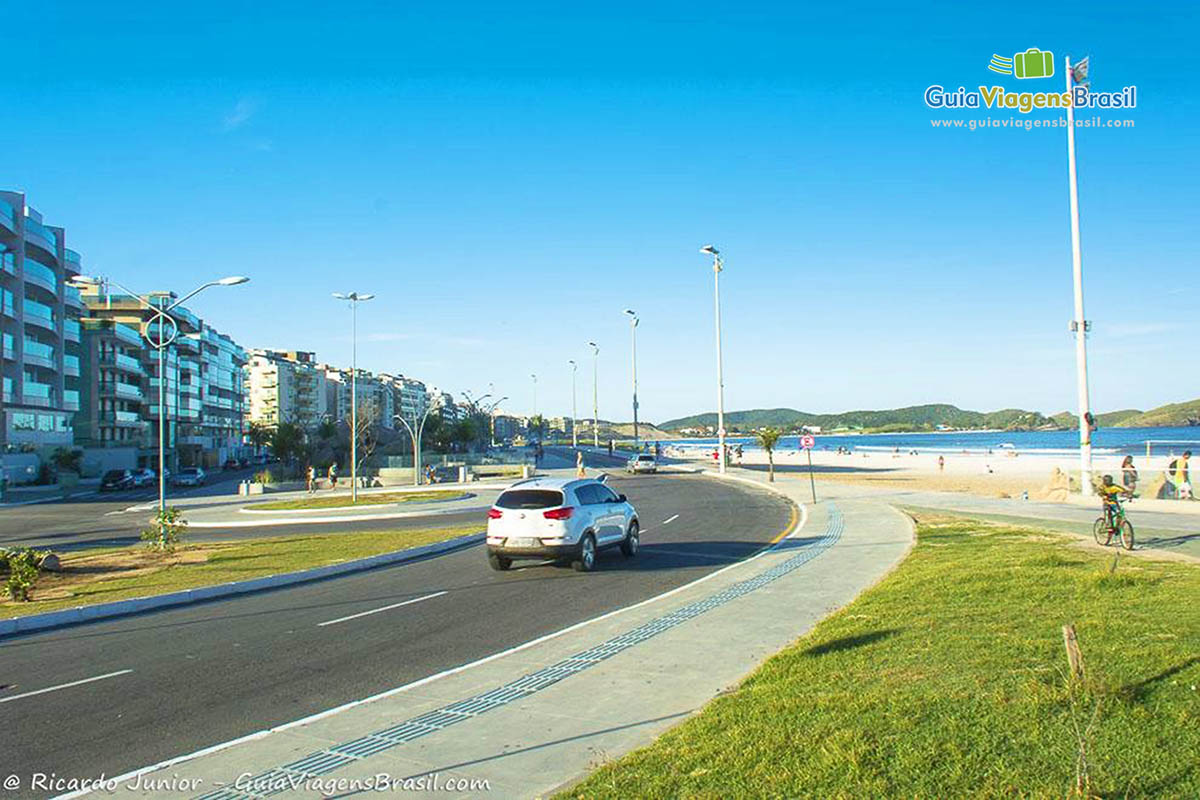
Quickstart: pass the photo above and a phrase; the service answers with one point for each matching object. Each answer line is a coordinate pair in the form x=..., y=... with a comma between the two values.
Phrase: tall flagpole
x=1079, y=323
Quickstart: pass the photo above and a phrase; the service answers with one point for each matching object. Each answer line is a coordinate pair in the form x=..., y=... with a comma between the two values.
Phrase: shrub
x=265, y=477
x=22, y=572
x=166, y=530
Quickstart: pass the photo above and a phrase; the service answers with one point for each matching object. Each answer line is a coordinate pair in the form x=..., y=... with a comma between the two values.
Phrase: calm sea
x=1104, y=441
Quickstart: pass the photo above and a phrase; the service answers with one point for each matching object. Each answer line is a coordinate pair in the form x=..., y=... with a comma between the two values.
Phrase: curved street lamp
x=718, y=265
x=354, y=299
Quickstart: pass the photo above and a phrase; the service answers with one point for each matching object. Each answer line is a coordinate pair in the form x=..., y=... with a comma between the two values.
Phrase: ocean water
x=1105, y=441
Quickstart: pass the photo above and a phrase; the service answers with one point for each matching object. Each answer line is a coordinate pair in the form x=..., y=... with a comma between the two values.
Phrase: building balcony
x=8, y=216
x=70, y=399
x=124, y=391
x=40, y=355
x=41, y=315
x=72, y=258
x=72, y=297
x=43, y=237
x=71, y=330
x=122, y=362
x=71, y=366
x=41, y=275
x=37, y=394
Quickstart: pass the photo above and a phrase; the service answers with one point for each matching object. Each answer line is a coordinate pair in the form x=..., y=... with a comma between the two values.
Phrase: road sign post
x=808, y=443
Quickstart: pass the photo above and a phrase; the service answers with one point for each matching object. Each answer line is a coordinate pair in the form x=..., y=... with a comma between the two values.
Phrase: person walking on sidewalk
x=310, y=475
x=332, y=475
x=580, y=472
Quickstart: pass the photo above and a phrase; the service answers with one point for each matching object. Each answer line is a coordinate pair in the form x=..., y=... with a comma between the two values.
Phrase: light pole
x=717, y=266
x=574, y=410
x=1080, y=325
x=415, y=432
x=354, y=298
x=162, y=321
x=595, y=404
x=633, y=324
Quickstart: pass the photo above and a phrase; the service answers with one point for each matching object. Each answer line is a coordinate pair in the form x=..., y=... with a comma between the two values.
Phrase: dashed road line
x=65, y=685
x=377, y=610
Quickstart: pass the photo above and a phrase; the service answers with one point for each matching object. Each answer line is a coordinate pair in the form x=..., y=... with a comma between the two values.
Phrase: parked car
x=231, y=463
x=190, y=476
x=243, y=462
x=642, y=463
x=144, y=477
x=116, y=479
x=560, y=519
x=260, y=460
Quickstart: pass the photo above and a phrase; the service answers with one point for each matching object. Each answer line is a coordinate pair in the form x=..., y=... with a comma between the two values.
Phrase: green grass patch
x=343, y=500
x=949, y=679
x=91, y=577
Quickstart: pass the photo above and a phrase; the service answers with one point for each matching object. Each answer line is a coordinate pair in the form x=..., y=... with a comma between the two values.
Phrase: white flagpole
x=1081, y=367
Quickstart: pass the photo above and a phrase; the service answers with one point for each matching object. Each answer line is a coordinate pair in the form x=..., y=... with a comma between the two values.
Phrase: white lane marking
x=250, y=737
x=377, y=610
x=65, y=685
x=669, y=520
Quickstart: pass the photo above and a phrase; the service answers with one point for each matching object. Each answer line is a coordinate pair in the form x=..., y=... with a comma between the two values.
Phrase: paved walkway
x=543, y=714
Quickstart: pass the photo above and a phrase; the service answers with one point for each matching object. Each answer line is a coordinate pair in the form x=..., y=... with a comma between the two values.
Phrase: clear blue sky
x=508, y=177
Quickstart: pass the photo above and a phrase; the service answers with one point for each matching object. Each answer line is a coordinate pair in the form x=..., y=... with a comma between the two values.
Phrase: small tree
x=166, y=530
x=260, y=434
x=767, y=439
x=287, y=442
x=65, y=460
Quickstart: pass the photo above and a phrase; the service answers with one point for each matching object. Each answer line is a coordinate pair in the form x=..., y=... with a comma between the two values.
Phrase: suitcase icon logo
x=1034, y=63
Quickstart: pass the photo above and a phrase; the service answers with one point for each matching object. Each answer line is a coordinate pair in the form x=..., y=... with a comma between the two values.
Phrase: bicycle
x=1114, y=523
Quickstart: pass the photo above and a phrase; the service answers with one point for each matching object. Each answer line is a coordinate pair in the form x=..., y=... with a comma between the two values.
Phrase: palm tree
x=767, y=439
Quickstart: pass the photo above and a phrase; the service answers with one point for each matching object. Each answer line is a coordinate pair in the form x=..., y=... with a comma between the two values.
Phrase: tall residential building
x=39, y=330
x=409, y=397
x=285, y=386
x=112, y=393
x=203, y=404
x=374, y=396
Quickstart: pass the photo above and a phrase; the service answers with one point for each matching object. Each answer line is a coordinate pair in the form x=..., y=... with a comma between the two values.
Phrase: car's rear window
x=645, y=458
x=530, y=498
x=113, y=474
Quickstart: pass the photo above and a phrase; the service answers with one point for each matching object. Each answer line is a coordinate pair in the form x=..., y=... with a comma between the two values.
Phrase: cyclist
x=1110, y=495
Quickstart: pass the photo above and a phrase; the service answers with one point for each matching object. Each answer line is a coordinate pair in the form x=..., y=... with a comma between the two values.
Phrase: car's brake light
x=559, y=513
x=495, y=513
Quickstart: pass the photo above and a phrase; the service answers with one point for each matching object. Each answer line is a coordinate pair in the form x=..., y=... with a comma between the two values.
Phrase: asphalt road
x=208, y=673
x=99, y=519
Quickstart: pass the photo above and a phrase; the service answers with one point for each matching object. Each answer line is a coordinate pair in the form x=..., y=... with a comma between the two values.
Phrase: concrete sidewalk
x=539, y=716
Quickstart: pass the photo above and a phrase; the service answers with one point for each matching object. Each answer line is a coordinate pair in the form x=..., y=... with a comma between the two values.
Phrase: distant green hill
x=912, y=418
x=1168, y=416
x=1113, y=419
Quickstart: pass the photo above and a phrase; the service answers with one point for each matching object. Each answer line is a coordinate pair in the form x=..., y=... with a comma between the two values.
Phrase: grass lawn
x=343, y=500
x=949, y=679
x=100, y=576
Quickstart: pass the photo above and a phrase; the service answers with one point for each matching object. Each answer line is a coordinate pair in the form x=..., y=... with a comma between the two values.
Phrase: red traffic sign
x=808, y=442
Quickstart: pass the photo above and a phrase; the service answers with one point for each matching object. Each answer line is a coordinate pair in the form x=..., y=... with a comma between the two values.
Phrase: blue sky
x=508, y=178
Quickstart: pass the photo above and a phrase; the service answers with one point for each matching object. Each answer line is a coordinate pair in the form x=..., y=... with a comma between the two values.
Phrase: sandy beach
x=1002, y=473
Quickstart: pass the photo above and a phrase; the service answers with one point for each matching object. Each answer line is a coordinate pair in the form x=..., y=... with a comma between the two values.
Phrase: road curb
x=137, y=605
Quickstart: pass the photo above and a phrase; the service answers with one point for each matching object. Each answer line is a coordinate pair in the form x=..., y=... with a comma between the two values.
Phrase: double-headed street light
x=574, y=410
x=717, y=266
x=633, y=323
x=354, y=299
x=166, y=330
x=595, y=404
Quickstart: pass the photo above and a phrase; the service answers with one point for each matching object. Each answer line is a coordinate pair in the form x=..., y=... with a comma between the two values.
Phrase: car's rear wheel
x=632, y=541
x=586, y=560
x=499, y=563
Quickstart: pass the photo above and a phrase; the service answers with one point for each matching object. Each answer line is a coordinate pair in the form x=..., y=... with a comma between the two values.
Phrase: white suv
x=562, y=519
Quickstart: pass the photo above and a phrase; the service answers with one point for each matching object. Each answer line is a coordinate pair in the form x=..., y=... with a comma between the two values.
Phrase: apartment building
x=409, y=396
x=285, y=386
x=112, y=393
x=39, y=330
x=201, y=371
x=374, y=395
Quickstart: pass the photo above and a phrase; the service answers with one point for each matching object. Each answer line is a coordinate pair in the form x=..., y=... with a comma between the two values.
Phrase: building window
x=24, y=421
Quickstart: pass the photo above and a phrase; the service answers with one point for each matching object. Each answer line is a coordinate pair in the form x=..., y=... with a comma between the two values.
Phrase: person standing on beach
x=941, y=463
x=1178, y=472
x=1129, y=475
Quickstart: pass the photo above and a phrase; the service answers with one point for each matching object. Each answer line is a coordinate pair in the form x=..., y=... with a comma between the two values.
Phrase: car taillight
x=559, y=513
x=495, y=513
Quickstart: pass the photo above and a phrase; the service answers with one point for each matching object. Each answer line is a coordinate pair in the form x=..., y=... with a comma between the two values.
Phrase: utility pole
x=633, y=324
x=717, y=267
x=1079, y=324
x=595, y=395
x=574, y=409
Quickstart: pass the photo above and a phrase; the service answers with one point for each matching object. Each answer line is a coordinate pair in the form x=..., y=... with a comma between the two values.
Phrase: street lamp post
x=717, y=266
x=574, y=408
x=354, y=298
x=595, y=403
x=162, y=322
x=1079, y=324
x=415, y=432
x=633, y=324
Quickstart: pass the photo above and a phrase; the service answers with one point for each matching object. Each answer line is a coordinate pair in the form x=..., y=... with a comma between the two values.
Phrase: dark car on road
x=116, y=479
x=231, y=463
